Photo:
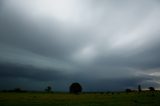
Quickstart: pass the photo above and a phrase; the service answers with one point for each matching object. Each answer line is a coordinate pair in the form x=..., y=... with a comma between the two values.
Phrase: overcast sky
x=102, y=44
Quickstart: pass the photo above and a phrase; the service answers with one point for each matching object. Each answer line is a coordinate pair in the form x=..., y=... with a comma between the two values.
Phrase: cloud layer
x=104, y=45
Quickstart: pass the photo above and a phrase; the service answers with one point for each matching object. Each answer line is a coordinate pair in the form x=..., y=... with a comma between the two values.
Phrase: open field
x=86, y=99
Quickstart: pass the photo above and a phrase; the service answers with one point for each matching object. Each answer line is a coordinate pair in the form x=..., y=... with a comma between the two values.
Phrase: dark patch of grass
x=84, y=99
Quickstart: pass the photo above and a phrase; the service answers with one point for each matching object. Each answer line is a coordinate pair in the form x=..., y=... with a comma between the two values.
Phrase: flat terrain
x=88, y=99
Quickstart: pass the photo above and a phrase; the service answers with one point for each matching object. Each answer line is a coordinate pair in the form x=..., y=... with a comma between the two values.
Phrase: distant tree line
x=140, y=89
x=15, y=90
x=76, y=88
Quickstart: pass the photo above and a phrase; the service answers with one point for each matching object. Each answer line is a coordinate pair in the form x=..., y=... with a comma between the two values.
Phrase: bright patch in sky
x=61, y=10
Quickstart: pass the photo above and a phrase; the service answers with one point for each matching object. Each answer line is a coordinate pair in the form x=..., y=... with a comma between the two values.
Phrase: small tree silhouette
x=48, y=89
x=75, y=88
x=151, y=88
x=139, y=88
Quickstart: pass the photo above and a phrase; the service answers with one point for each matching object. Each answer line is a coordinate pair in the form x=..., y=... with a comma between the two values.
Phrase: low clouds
x=92, y=42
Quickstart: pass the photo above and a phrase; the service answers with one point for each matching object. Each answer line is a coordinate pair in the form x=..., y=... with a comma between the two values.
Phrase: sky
x=105, y=45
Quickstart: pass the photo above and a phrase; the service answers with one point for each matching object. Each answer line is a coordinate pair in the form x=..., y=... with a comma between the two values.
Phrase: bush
x=128, y=90
x=151, y=88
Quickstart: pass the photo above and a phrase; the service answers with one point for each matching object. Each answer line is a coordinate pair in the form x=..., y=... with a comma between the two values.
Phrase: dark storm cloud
x=29, y=72
x=103, y=44
x=114, y=84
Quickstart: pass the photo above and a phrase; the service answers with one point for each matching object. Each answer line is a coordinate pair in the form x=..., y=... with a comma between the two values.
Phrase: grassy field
x=88, y=99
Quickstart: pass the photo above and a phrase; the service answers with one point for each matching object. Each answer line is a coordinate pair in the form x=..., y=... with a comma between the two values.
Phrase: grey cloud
x=50, y=42
x=102, y=43
x=30, y=72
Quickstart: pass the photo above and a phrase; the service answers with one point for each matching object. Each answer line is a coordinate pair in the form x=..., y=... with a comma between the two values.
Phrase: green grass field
x=88, y=99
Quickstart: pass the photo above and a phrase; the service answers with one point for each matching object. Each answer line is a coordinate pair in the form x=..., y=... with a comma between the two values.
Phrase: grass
x=86, y=99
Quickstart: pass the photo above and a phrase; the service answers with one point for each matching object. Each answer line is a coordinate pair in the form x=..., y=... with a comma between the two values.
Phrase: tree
x=151, y=88
x=48, y=89
x=75, y=88
x=139, y=88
